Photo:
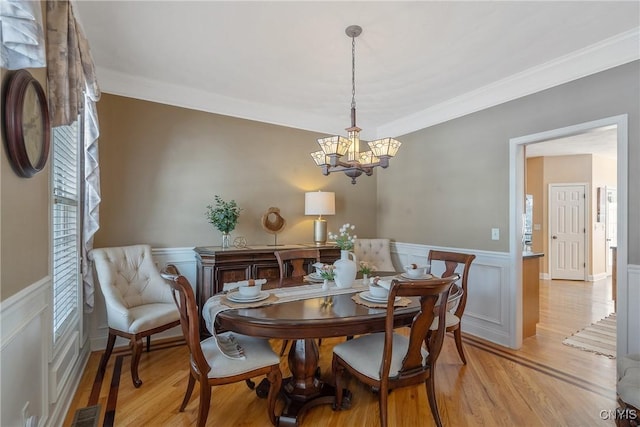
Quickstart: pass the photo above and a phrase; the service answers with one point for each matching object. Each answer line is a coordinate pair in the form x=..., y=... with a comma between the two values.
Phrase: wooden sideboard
x=217, y=265
x=530, y=292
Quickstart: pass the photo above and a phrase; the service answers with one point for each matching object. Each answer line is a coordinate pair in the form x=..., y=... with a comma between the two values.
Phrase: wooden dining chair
x=454, y=261
x=388, y=360
x=210, y=367
x=294, y=263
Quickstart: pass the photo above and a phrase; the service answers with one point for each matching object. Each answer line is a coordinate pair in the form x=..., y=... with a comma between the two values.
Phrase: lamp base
x=320, y=231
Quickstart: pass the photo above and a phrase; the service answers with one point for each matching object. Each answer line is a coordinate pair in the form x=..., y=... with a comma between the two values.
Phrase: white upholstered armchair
x=138, y=300
x=374, y=251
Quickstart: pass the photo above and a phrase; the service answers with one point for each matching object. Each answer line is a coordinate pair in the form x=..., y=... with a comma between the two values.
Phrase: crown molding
x=608, y=53
x=117, y=83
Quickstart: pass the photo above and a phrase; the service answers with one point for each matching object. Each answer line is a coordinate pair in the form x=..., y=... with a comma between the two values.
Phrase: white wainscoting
x=487, y=314
x=628, y=314
x=26, y=331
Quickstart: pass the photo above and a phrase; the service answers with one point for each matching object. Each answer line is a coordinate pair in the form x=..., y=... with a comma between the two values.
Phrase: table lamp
x=320, y=203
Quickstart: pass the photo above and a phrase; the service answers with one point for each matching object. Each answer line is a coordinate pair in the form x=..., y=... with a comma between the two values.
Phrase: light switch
x=537, y=227
x=495, y=234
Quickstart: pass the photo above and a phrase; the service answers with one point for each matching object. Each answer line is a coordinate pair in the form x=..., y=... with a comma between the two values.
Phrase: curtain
x=21, y=35
x=73, y=90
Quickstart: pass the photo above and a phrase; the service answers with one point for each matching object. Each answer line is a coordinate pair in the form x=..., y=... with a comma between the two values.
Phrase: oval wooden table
x=304, y=321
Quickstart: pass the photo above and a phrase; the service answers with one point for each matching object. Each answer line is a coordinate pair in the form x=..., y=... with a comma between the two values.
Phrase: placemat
x=402, y=302
x=267, y=301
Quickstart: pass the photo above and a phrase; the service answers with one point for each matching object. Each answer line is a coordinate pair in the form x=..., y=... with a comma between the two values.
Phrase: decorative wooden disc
x=272, y=222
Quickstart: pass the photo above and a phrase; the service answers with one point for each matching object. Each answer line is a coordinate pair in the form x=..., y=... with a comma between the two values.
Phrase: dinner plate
x=423, y=277
x=236, y=297
x=313, y=278
x=366, y=295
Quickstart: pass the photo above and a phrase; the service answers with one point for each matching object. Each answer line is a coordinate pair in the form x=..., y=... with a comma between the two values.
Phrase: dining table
x=304, y=313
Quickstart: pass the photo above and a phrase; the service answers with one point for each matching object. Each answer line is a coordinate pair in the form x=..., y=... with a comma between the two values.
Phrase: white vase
x=365, y=279
x=345, y=269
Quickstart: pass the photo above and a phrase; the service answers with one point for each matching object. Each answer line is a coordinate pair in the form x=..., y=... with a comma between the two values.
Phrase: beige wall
x=24, y=218
x=449, y=185
x=162, y=165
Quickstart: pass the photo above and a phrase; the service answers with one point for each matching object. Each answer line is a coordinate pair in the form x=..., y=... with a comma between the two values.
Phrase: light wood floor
x=545, y=383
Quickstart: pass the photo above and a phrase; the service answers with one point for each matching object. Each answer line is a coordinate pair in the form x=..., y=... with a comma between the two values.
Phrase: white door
x=567, y=228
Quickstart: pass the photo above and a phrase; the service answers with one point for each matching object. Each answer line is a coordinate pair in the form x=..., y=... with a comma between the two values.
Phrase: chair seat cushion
x=150, y=316
x=364, y=353
x=451, y=320
x=258, y=354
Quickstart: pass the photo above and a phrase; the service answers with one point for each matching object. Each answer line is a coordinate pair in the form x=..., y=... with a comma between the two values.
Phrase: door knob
x=554, y=237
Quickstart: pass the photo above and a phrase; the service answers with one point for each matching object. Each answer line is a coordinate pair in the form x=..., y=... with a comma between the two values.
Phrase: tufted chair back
x=128, y=275
x=138, y=300
x=376, y=252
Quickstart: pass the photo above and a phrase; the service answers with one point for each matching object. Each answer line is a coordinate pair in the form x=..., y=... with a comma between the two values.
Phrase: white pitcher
x=345, y=269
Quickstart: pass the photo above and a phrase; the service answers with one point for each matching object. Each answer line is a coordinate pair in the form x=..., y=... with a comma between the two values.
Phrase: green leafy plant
x=224, y=216
x=343, y=240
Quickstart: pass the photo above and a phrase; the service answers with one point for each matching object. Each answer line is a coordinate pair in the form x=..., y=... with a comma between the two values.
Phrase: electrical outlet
x=495, y=234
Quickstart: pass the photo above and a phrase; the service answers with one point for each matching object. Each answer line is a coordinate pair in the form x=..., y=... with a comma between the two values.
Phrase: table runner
x=216, y=303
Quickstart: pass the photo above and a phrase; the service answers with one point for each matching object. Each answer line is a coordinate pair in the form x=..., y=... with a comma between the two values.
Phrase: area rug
x=599, y=337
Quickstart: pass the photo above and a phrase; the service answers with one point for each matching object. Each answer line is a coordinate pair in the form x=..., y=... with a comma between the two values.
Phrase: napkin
x=234, y=285
x=384, y=283
x=229, y=346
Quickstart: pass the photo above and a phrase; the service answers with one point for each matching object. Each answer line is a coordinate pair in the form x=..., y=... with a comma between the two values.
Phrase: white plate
x=313, y=278
x=366, y=295
x=236, y=297
x=423, y=277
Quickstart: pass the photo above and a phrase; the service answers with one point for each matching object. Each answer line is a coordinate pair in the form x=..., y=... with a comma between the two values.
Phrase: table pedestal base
x=294, y=409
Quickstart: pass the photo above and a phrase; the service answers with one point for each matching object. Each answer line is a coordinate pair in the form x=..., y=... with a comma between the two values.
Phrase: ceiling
x=418, y=63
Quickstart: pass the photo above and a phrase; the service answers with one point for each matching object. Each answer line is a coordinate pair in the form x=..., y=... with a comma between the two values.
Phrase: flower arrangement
x=344, y=240
x=367, y=268
x=327, y=272
x=224, y=216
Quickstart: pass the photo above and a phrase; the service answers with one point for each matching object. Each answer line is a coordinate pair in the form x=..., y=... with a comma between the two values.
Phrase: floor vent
x=86, y=417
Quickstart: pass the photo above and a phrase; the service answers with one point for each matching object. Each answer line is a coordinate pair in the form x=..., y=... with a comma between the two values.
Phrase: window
x=66, y=226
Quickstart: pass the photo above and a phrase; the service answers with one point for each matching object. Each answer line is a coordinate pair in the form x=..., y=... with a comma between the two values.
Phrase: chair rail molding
x=487, y=315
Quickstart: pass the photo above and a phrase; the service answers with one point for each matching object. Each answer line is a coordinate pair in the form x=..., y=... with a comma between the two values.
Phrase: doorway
x=517, y=194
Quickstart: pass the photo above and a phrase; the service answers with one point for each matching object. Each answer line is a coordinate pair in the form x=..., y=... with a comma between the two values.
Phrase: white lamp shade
x=320, y=203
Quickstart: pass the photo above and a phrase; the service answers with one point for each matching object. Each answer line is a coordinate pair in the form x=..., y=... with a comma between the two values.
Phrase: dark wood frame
x=17, y=87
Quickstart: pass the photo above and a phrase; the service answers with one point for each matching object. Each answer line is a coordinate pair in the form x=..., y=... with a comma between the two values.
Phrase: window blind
x=66, y=226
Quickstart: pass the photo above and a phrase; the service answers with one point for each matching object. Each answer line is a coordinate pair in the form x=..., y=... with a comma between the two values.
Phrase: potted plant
x=366, y=268
x=224, y=216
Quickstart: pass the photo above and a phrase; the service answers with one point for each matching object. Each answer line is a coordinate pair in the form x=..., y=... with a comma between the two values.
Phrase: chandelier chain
x=353, y=72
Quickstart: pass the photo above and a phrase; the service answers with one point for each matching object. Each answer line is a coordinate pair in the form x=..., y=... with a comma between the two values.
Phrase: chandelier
x=340, y=154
